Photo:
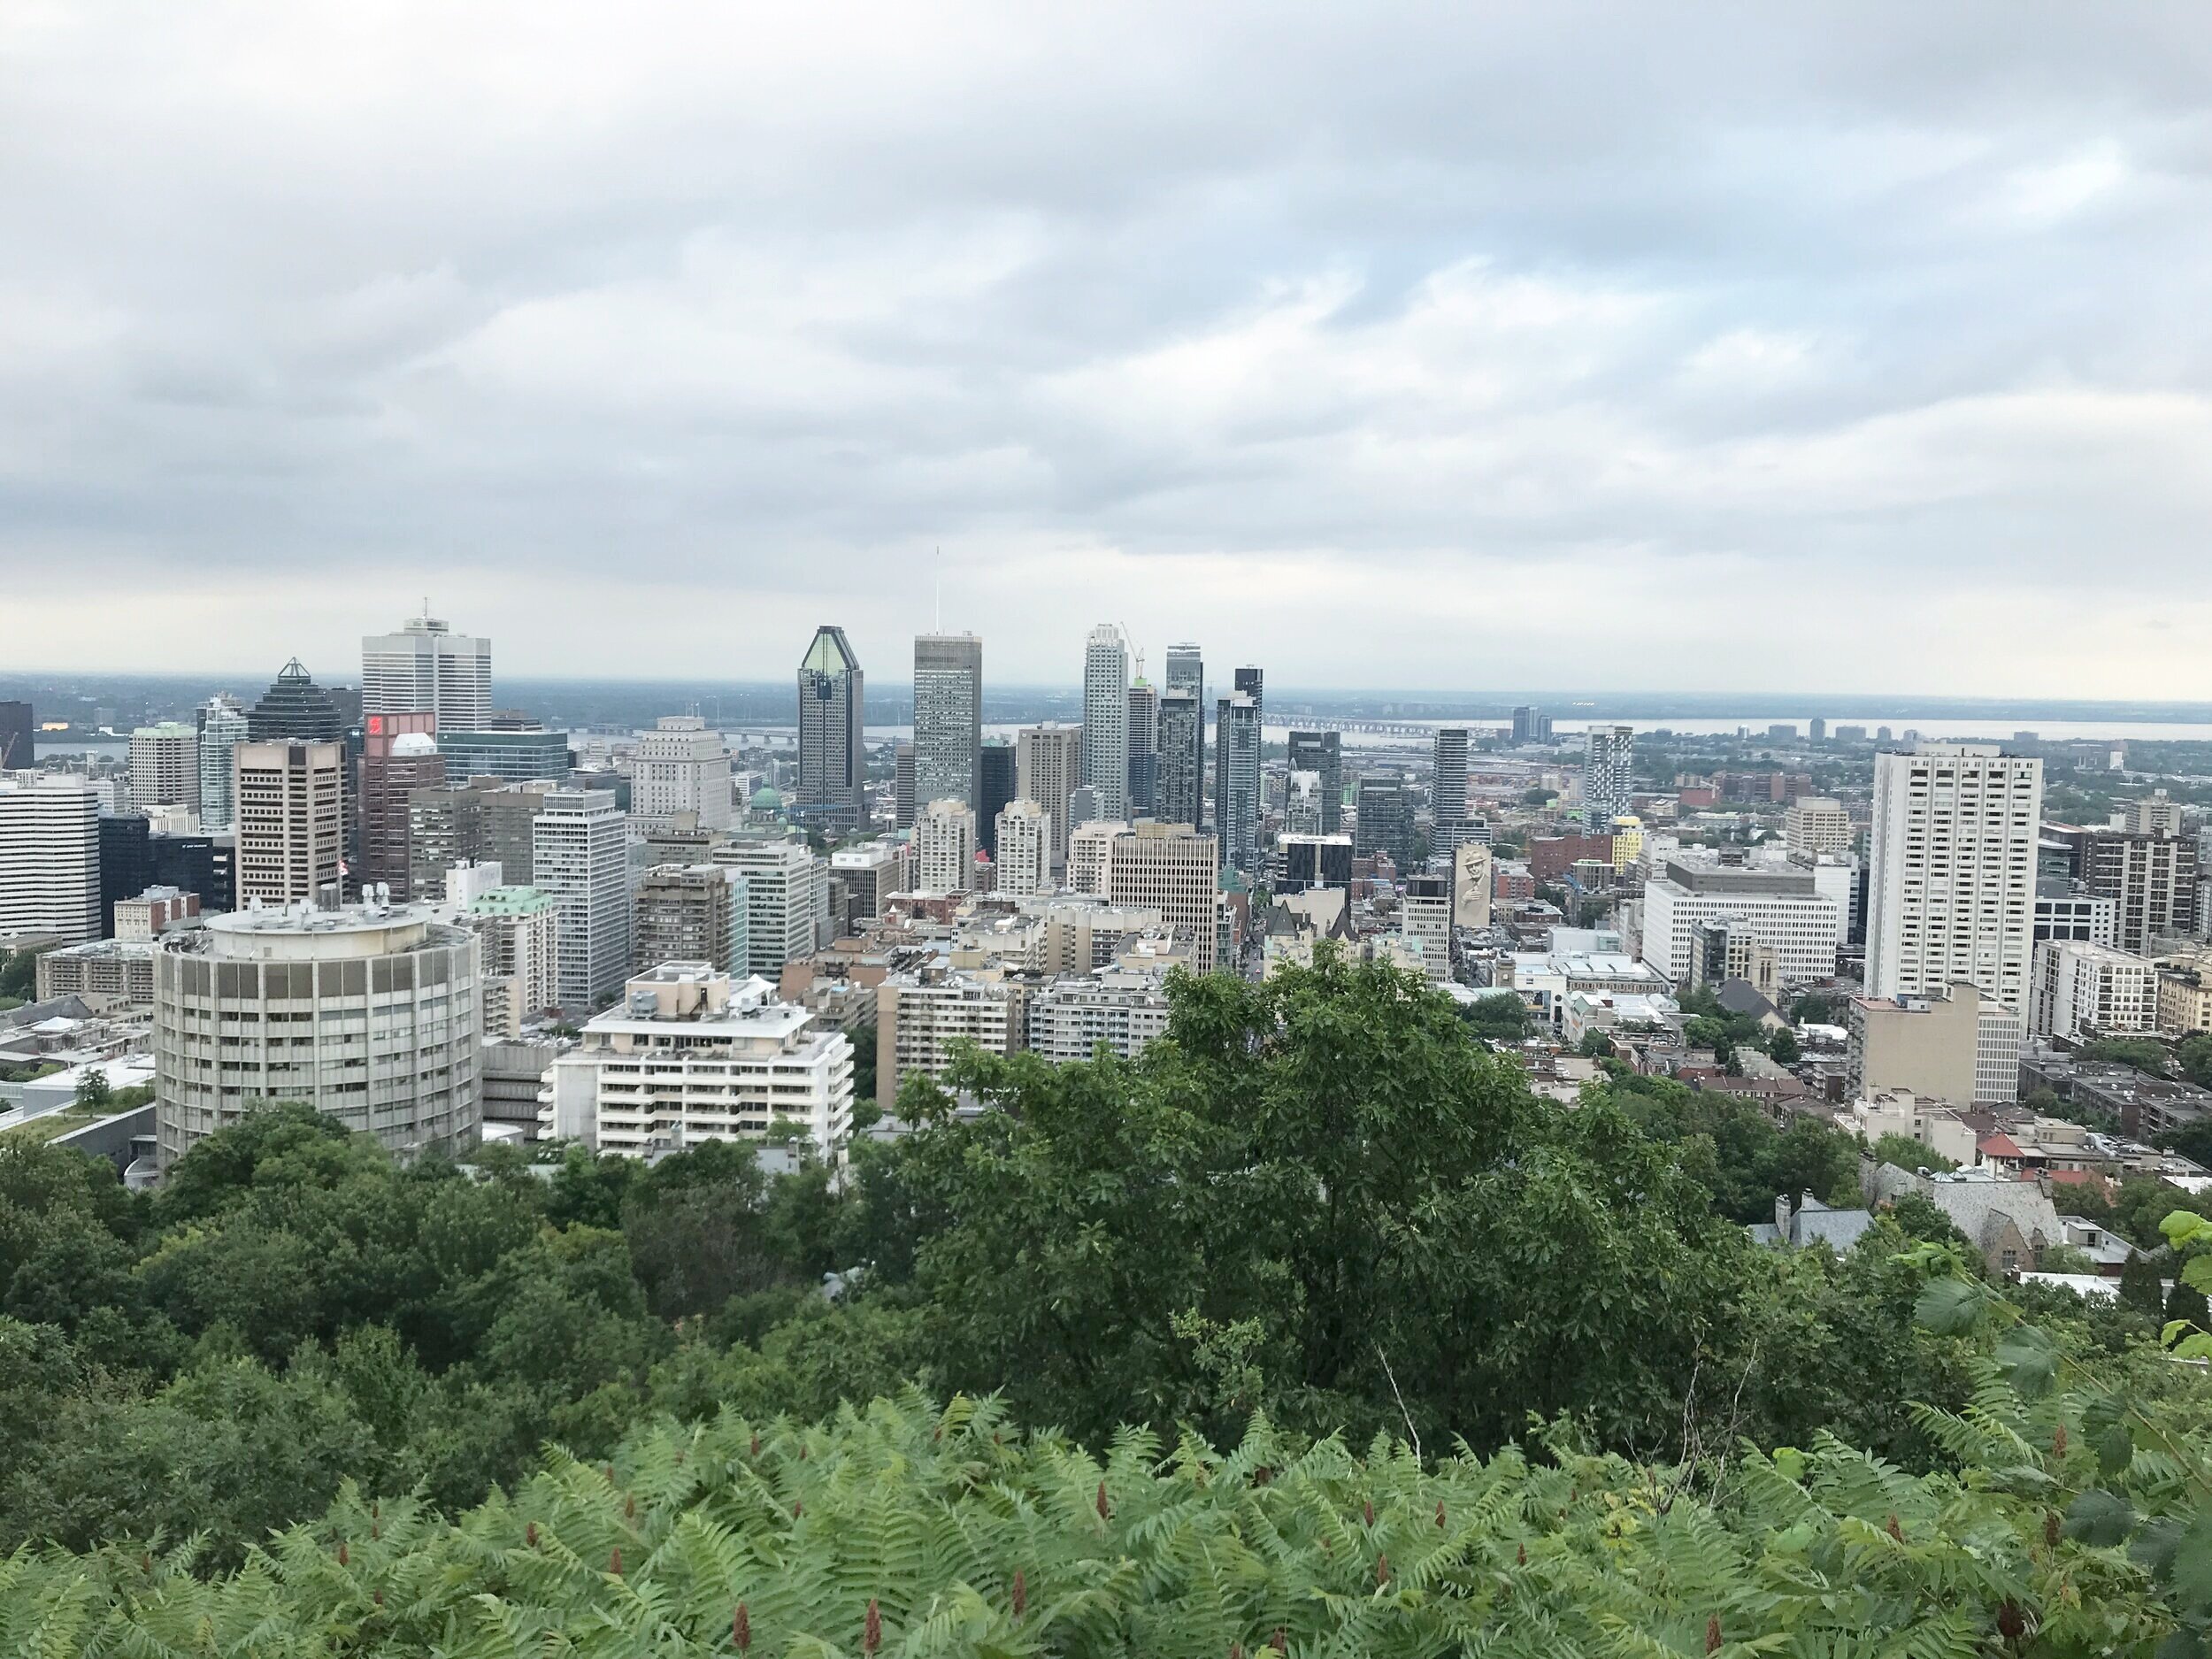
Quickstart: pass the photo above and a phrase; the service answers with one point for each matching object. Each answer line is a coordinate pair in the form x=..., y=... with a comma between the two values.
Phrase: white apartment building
x=369, y=1014
x=518, y=935
x=289, y=801
x=787, y=898
x=579, y=857
x=1780, y=907
x=1814, y=824
x=165, y=766
x=1608, y=774
x=1951, y=892
x=2085, y=990
x=944, y=847
x=1106, y=721
x=1174, y=869
x=1025, y=849
x=690, y=1055
x=1425, y=921
x=50, y=856
x=1088, y=846
x=426, y=665
x=1124, y=1010
x=682, y=767
x=222, y=728
x=920, y=1016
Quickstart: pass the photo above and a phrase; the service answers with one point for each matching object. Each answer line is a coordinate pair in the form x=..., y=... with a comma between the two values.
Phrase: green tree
x=1909, y=1154
x=2145, y=1054
x=2140, y=1291
x=1782, y=1046
x=94, y=1091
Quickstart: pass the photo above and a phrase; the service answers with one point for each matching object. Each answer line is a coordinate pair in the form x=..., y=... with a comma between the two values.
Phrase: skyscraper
x=1951, y=892
x=998, y=784
x=947, y=719
x=290, y=819
x=1531, y=725
x=50, y=856
x=165, y=766
x=1174, y=870
x=1323, y=753
x=1608, y=774
x=1144, y=746
x=903, y=786
x=399, y=756
x=1106, y=721
x=682, y=767
x=1237, y=779
x=944, y=848
x=1180, y=796
x=1048, y=760
x=222, y=722
x=16, y=742
x=295, y=709
x=2151, y=879
x=832, y=787
x=1447, y=795
x=1025, y=849
x=579, y=857
x=1187, y=676
x=1249, y=681
x=426, y=665
x=1386, y=818
x=787, y=900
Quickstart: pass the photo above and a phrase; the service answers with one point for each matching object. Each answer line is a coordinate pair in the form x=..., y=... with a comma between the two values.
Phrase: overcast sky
x=1854, y=347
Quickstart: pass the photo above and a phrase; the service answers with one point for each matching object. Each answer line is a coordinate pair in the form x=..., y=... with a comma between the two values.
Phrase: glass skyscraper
x=832, y=788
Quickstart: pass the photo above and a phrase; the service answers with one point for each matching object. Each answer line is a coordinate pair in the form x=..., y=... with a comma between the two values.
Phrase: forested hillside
x=1321, y=1215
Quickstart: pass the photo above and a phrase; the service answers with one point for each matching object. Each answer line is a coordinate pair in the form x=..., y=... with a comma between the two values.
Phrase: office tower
x=1174, y=870
x=1951, y=892
x=1779, y=908
x=944, y=848
x=1608, y=773
x=1814, y=824
x=902, y=787
x=693, y=913
x=998, y=784
x=1384, y=807
x=2151, y=880
x=579, y=857
x=204, y=864
x=2082, y=991
x=1447, y=795
x=18, y=745
x=1531, y=725
x=786, y=900
x=832, y=788
x=1426, y=922
x=426, y=665
x=295, y=709
x=368, y=1014
x=49, y=859
x=1179, y=792
x=484, y=821
x=399, y=755
x=682, y=767
x=1322, y=753
x=1310, y=859
x=126, y=865
x=1471, y=885
x=1237, y=779
x=1025, y=849
x=722, y=1060
x=871, y=873
x=1105, y=722
x=1048, y=762
x=164, y=767
x=516, y=756
x=1248, y=682
x=222, y=725
x=1144, y=746
x=947, y=719
x=290, y=822
x=1186, y=677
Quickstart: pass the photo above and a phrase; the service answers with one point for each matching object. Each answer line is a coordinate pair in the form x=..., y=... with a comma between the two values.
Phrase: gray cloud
x=1836, y=346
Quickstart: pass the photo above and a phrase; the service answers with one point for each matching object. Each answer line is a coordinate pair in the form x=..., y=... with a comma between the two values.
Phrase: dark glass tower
x=1181, y=795
x=16, y=726
x=832, y=788
x=295, y=709
x=997, y=775
x=1187, y=676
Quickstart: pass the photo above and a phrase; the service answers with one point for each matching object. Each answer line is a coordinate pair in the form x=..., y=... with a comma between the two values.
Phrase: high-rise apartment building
x=682, y=767
x=903, y=786
x=944, y=848
x=579, y=857
x=222, y=727
x=1175, y=870
x=947, y=719
x=787, y=891
x=832, y=787
x=1951, y=892
x=49, y=857
x=291, y=822
x=1048, y=764
x=2151, y=880
x=518, y=945
x=399, y=755
x=1144, y=746
x=1814, y=824
x=18, y=746
x=1426, y=924
x=1384, y=807
x=1322, y=753
x=1608, y=773
x=1448, y=794
x=165, y=767
x=1249, y=681
x=1180, y=792
x=1237, y=779
x=1025, y=849
x=1185, y=677
x=1106, y=721
x=426, y=665
x=999, y=787
x=693, y=913
x=295, y=709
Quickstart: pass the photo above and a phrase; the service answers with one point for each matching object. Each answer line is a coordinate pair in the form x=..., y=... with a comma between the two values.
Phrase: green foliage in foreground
x=908, y=1531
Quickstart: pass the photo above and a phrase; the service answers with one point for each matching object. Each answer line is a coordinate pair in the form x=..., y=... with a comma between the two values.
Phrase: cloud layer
x=1847, y=347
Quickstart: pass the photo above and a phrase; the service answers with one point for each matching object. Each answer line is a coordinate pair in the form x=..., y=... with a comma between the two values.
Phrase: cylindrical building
x=369, y=1014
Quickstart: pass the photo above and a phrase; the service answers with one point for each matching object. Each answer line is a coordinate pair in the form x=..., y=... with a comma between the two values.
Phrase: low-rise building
x=921, y=1015
x=2083, y=990
x=1070, y=1018
x=1963, y=1048
x=104, y=972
